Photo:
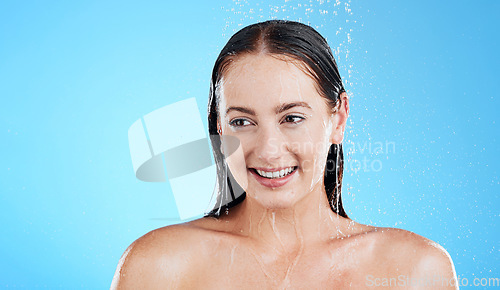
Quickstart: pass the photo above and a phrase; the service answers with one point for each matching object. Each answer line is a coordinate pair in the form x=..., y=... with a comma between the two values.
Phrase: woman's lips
x=275, y=182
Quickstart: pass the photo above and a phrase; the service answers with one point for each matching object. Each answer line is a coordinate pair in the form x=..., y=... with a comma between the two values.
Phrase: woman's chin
x=275, y=202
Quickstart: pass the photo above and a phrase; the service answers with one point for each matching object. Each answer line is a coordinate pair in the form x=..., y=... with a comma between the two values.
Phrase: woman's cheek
x=236, y=160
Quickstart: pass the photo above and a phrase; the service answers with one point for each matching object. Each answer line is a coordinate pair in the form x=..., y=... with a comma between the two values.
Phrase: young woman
x=279, y=220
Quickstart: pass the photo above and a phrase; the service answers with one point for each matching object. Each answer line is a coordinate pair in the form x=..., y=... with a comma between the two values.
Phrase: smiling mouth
x=275, y=174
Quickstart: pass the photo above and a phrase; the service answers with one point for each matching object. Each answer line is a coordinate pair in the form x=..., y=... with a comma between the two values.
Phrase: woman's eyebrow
x=241, y=109
x=278, y=110
x=288, y=106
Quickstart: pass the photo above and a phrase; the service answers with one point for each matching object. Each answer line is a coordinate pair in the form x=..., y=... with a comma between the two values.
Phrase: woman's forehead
x=257, y=78
x=263, y=64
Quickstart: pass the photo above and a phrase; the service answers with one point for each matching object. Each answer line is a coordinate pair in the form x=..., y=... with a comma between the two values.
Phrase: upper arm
x=417, y=261
x=136, y=268
x=435, y=267
x=126, y=265
x=153, y=261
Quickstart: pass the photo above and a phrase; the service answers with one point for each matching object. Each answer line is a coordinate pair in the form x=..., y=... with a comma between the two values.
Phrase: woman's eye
x=293, y=119
x=239, y=123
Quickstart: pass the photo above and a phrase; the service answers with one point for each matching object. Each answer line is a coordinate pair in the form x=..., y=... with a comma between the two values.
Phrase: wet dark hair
x=296, y=41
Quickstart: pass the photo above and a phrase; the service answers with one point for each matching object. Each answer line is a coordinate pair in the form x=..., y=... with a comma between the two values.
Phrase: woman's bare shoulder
x=394, y=240
x=411, y=255
x=163, y=257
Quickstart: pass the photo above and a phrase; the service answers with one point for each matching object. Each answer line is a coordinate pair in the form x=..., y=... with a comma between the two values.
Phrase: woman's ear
x=340, y=119
x=219, y=129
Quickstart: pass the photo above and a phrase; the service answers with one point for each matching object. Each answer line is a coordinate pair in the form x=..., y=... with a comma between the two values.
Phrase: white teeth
x=276, y=174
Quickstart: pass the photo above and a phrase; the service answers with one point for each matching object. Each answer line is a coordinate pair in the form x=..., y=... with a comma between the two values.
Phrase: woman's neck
x=309, y=221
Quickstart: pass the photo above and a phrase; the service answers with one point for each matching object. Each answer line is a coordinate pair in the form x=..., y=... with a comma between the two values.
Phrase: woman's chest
x=249, y=268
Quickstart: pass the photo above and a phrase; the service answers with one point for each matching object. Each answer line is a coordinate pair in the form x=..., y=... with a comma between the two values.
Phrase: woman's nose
x=269, y=144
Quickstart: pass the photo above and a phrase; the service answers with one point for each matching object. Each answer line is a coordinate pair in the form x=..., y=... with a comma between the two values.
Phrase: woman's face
x=284, y=126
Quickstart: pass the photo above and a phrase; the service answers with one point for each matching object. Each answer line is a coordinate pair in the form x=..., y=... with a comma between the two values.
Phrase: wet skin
x=282, y=237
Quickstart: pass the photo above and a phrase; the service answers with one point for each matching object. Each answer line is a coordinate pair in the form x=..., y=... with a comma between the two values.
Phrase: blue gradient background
x=75, y=75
